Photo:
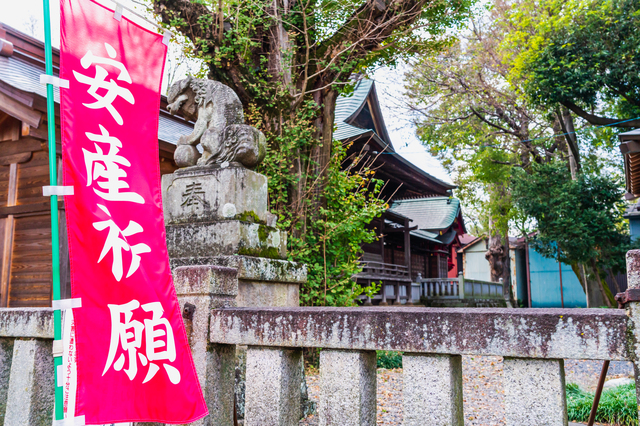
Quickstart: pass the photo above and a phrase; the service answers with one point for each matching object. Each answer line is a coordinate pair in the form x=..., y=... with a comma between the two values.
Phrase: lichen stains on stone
x=633, y=268
x=578, y=334
x=26, y=322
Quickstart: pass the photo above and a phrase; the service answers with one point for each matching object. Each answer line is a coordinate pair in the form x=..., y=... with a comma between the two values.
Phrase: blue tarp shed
x=545, y=284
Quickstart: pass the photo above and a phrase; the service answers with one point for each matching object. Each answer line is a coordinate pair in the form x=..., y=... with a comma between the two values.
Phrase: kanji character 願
x=127, y=334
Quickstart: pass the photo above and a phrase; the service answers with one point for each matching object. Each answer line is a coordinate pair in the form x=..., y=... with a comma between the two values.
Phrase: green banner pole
x=55, y=237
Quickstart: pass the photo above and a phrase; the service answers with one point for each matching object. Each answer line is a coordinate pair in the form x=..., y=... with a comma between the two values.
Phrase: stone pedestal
x=217, y=221
x=219, y=216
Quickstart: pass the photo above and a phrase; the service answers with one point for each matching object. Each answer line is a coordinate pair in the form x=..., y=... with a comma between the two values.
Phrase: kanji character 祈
x=116, y=241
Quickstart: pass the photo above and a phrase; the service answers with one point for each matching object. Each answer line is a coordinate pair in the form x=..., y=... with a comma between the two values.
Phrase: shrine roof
x=433, y=214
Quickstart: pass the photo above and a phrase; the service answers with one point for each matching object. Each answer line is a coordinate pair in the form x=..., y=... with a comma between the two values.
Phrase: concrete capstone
x=26, y=322
x=525, y=333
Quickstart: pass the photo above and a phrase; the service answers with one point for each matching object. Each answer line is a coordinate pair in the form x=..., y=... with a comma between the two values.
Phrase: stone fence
x=533, y=342
x=460, y=288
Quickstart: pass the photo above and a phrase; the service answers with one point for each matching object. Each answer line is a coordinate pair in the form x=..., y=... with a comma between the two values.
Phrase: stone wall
x=533, y=343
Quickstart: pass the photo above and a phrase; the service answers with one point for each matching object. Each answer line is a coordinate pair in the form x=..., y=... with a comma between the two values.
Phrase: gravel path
x=483, y=393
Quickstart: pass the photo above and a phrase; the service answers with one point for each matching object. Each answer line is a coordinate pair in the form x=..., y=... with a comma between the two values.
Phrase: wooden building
x=25, y=220
x=417, y=234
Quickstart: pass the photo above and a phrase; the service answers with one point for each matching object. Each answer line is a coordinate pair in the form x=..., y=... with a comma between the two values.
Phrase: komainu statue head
x=219, y=125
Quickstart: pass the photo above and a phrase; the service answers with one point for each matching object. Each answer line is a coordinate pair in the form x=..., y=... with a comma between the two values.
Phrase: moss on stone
x=267, y=252
x=249, y=216
x=263, y=233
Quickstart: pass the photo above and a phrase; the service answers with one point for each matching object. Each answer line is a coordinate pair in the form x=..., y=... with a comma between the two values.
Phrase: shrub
x=389, y=359
x=618, y=406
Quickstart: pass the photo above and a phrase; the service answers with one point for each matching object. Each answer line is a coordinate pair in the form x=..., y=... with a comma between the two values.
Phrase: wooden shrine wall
x=25, y=224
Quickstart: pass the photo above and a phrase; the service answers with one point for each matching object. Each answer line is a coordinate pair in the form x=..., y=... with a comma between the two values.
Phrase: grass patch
x=389, y=359
x=618, y=406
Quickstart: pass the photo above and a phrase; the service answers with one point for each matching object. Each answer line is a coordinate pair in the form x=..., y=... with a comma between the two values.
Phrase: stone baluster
x=6, y=354
x=432, y=390
x=347, y=388
x=534, y=392
x=272, y=395
x=30, y=385
x=633, y=312
x=383, y=287
x=201, y=289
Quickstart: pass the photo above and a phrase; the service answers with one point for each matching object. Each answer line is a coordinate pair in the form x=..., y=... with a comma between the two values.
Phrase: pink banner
x=134, y=361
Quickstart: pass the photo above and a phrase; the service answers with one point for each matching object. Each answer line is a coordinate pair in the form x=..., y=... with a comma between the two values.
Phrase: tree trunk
x=566, y=121
x=498, y=257
x=593, y=285
x=326, y=100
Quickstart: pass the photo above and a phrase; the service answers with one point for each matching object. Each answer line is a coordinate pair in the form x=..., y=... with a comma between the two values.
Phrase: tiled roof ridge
x=425, y=197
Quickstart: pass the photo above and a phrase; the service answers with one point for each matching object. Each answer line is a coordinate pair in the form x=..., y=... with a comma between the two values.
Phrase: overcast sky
x=27, y=16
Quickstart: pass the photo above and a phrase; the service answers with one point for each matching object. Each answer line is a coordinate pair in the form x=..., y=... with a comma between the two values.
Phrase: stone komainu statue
x=219, y=125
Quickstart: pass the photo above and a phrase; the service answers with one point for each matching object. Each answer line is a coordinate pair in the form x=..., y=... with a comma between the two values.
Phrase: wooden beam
x=24, y=209
x=12, y=196
x=40, y=133
x=20, y=146
x=18, y=95
x=7, y=160
x=407, y=248
x=20, y=111
x=7, y=243
x=390, y=230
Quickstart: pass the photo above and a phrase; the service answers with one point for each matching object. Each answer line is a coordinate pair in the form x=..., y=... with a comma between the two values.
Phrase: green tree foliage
x=330, y=245
x=582, y=55
x=578, y=221
x=476, y=112
x=288, y=61
x=480, y=125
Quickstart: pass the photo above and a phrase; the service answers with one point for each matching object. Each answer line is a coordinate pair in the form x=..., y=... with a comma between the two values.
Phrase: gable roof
x=433, y=214
x=348, y=107
x=358, y=117
x=21, y=71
